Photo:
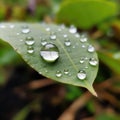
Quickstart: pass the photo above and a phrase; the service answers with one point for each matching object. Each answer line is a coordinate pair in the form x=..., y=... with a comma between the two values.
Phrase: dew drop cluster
x=50, y=51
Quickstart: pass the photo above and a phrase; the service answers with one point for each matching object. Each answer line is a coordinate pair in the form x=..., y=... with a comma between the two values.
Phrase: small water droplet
x=11, y=26
x=49, y=52
x=93, y=61
x=62, y=26
x=53, y=36
x=72, y=29
x=83, y=38
x=29, y=40
x=66, y=71
x=82, y=60
x=47, y=29
x=81, y=75
x=18, y=33
x=21, y=40
x=73, y=47
x=2, y=26
x=91, y=48
x=25, y=29
x=86, y=67
x=67, y=42
x=77, y=35
x=30, y=49
x=59, y=29
x=46, y=71
x=58, y=73
x=43, y=41
x=83, y=46
x=65, y=35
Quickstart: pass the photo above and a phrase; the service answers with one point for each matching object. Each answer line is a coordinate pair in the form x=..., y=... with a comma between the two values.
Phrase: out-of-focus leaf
x=110, y=61
x=86, y=13
x=22, y=114
x=107, y=116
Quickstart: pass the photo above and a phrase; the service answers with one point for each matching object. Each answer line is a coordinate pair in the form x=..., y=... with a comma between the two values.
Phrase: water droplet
x=73, y=47
x=83, y=38
x=81, y=75
x=86, y=67
x=83, y=46
x=43, y=41
x=18, y=33
x=25, y=29
x=29, y=40
x=72, y=29
x=11, y=26
x=91, y=48
x=93, y=61
x=82, y=60
x=30, y=49
x=21, y=40
x=67, y=42
x=46, y=71
x=77, y=35
x=49, y=52
x=47, y=29
x=52, y=36
x=63, y=26
x=58, y=73
x=65, y=35
x=59, y=29
x=2, y=26
x=66, y=71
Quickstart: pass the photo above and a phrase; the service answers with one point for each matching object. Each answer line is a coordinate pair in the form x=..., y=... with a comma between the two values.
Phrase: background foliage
x=21, y=87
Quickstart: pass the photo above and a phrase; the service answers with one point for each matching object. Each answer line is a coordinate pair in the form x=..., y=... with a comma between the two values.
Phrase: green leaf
x=65, y=69
x=86, y=13
x=22, y=114
x=109, y=60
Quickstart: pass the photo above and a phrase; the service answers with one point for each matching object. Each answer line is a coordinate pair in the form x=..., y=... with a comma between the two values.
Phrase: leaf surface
x=68, y=64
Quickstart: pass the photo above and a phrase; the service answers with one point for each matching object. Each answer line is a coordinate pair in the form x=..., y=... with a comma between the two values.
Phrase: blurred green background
x=26, y=95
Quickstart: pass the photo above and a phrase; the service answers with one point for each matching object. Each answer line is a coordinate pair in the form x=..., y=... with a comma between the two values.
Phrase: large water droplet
x=72, y=29
x=43, y=41
x=25, y=29
x=30, y=49
x=53, y=36
x=91, y=48
x=49, y=52
x=29, y=40
x=67, y=42
x=93, y=61
x=66, y=71
x=81, y=75
x=58, y=73
x=82, y=60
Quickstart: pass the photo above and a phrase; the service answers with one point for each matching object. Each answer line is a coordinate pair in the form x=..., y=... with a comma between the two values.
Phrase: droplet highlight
x=49, y=52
